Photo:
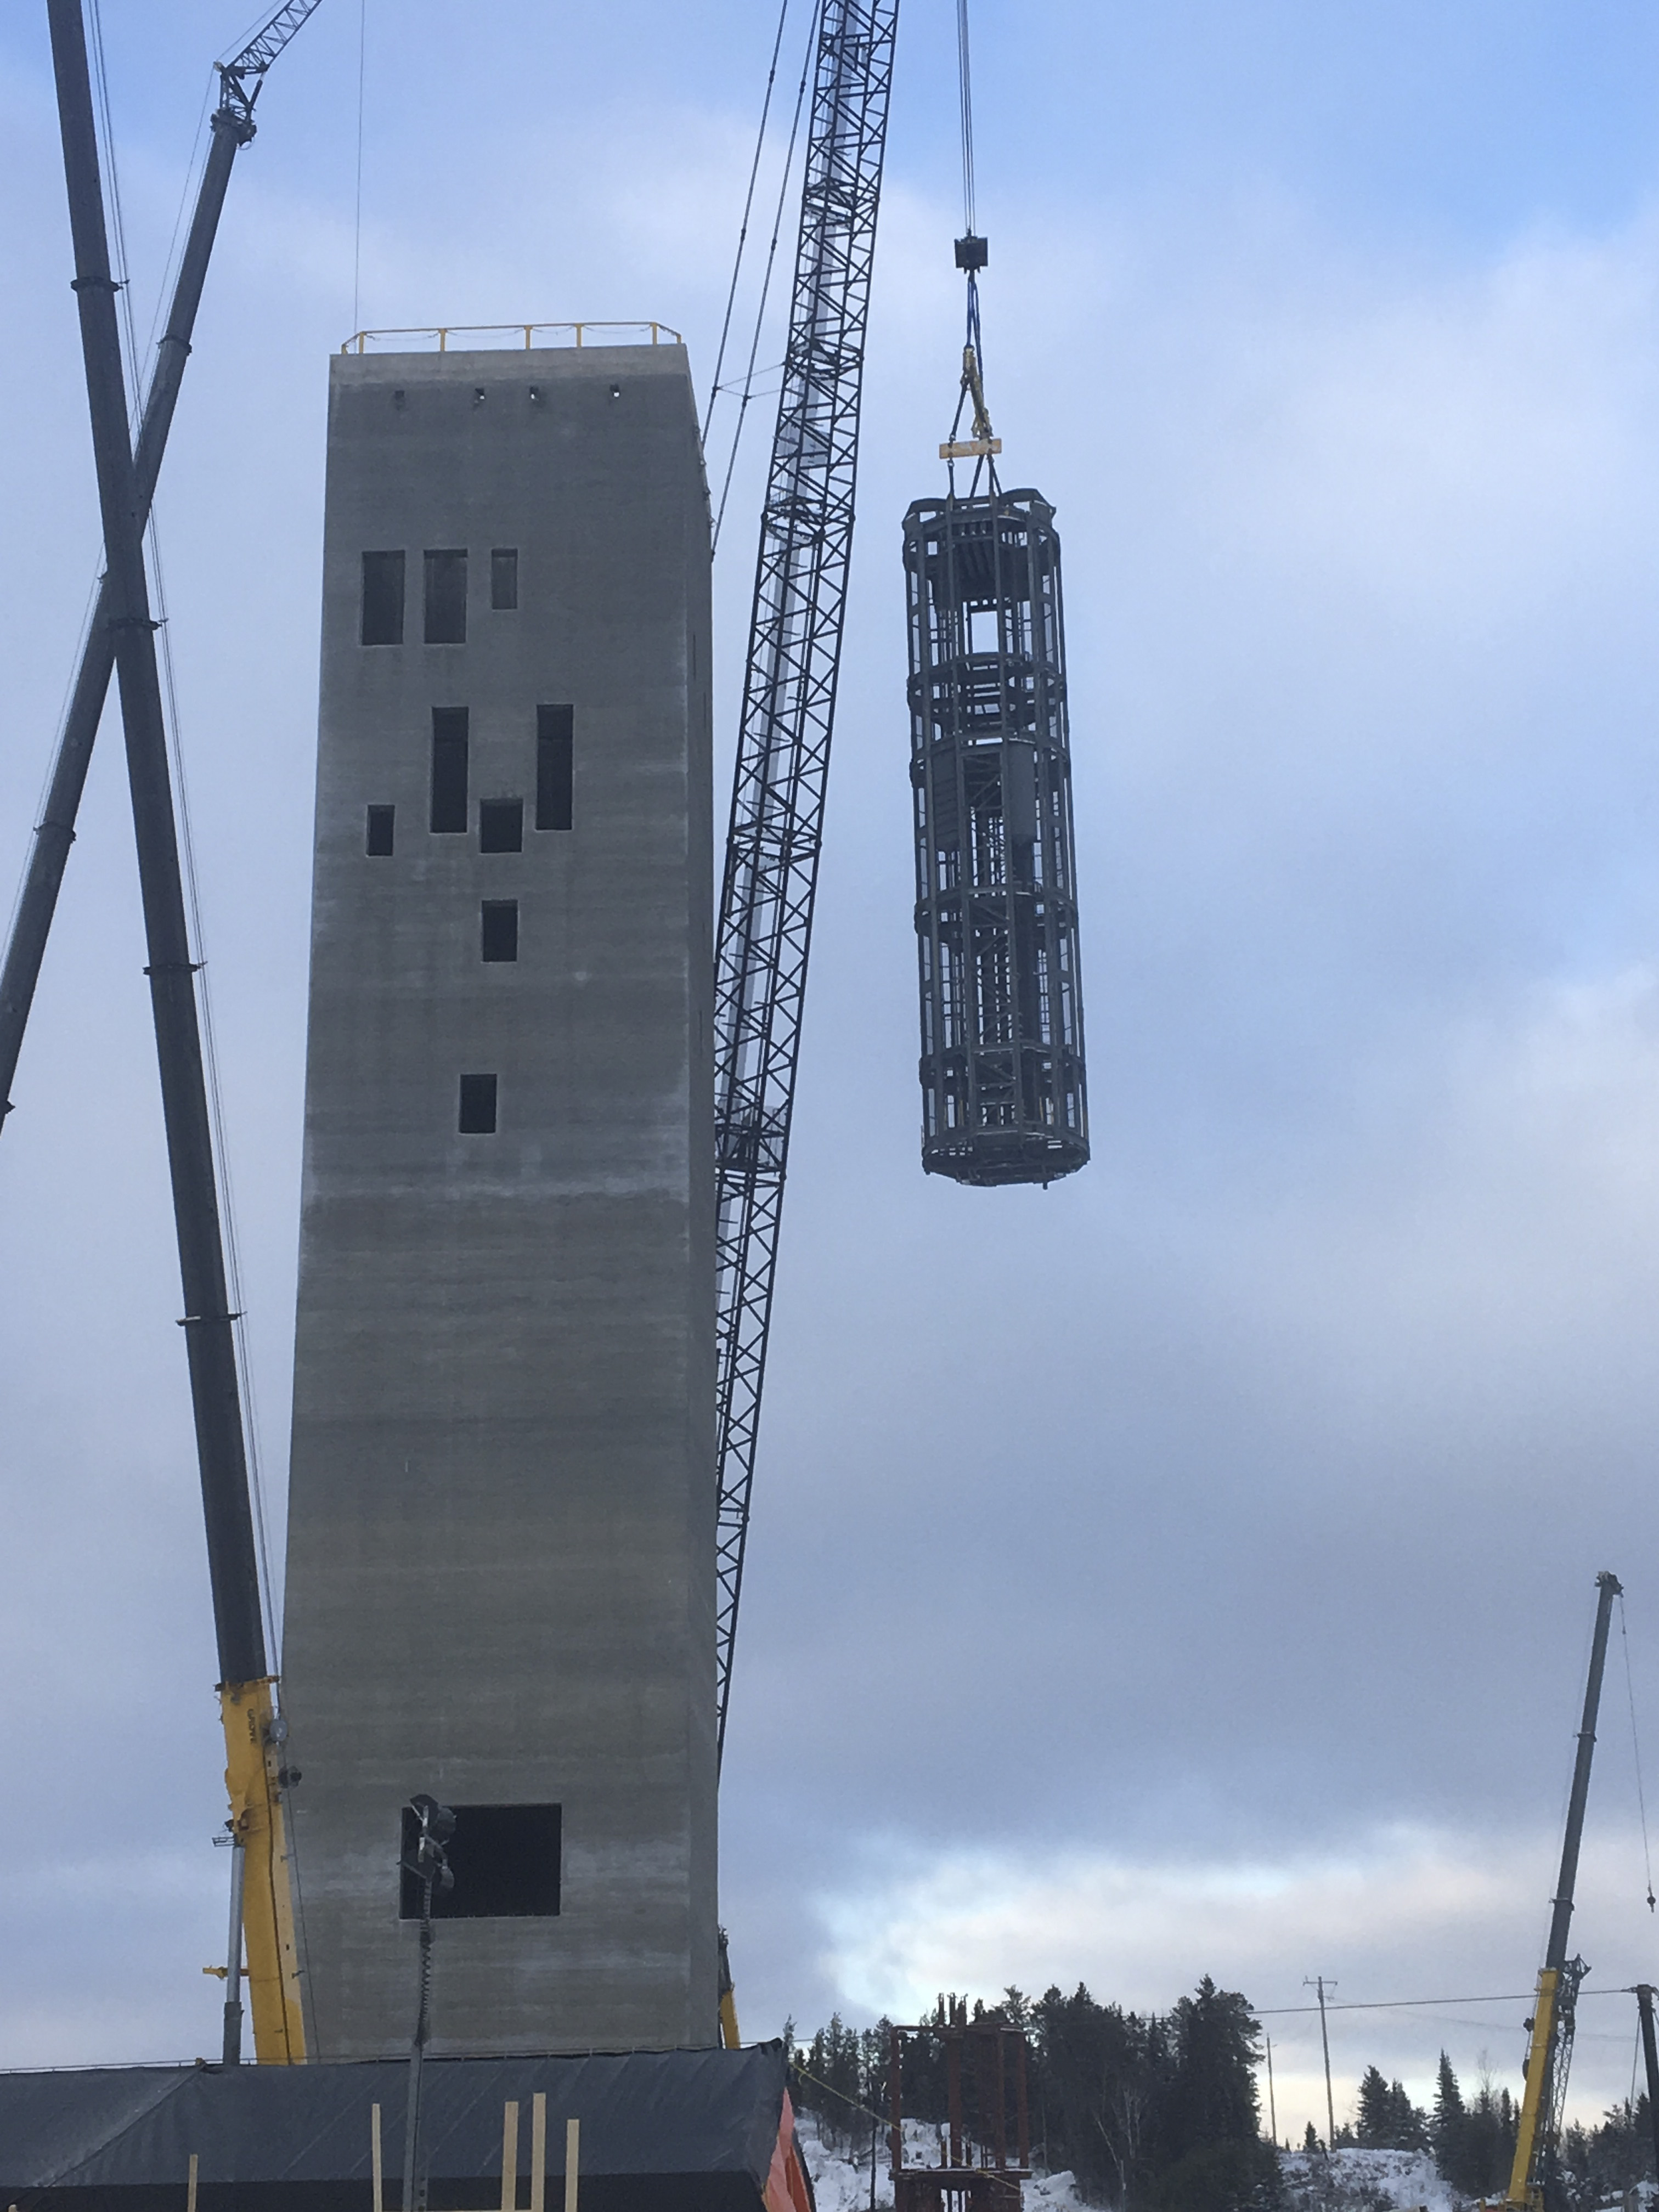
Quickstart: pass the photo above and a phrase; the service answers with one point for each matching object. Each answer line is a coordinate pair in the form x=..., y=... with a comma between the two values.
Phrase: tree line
x=1158, y=2113
x=1472, y=2140
x=1152, y=2113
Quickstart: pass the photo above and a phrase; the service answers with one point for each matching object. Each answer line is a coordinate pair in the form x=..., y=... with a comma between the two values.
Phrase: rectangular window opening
x=477, y=1106
x=446, y=599
x=500, y=929
x=448, y=769
x=555, y=767
x=504, y=578
x=383, y=600
x=377, y=837
x=501, y=825
x=505, y=1859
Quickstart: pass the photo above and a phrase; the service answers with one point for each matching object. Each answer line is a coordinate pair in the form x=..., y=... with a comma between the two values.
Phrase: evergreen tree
x=1373, y=2125
x=1410, y=2127
x=1387, y=2119
x=1448, y=2126
x=1213, y=2095
x=1217, y=2161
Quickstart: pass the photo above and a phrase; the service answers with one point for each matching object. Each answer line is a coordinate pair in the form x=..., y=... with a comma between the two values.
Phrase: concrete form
x=501, y=1579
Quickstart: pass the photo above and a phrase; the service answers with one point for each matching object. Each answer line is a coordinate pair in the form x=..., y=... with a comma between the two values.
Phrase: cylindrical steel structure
x=1002, y=1069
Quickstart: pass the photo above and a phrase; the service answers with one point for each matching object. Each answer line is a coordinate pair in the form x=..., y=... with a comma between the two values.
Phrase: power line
x=1398, y=2005
x=1412, y=2004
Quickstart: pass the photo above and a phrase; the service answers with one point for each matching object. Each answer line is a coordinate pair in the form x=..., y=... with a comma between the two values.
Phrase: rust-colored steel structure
x=1002, y=1070
x=984, y=2158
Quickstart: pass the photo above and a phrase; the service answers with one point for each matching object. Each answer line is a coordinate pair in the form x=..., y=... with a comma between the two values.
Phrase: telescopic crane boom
x=233, y=127
x=124, y=635
x=1549, y=2048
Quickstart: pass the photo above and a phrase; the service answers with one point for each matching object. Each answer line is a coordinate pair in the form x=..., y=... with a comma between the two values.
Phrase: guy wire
x=748, y=392
x=743, y=228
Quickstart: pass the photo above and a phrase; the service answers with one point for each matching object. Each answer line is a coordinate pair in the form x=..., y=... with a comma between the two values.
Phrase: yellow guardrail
x=560, y=334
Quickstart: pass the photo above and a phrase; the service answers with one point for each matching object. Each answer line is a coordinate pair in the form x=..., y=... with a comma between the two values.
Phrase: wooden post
x=190, y=2195
x=538, y=2150
x=376, y=2167
x=573, y=2137
x=510, y=2157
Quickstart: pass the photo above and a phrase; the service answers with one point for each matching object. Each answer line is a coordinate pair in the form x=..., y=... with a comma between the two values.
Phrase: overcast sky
x=1189, y=1569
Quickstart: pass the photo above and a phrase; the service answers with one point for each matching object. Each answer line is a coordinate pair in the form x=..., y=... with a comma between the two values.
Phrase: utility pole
x=1318, y=1982
x=1272, y=2114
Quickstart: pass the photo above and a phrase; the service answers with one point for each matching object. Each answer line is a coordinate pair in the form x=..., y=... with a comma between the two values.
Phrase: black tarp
x=662, y=2131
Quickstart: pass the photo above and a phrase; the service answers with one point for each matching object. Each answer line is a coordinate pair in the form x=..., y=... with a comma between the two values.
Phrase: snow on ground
x=841, y=2174
x=1350, y=2181
x=1363, y=2181
x=1052, y=2192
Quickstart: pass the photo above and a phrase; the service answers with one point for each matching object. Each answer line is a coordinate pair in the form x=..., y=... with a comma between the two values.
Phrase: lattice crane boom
x=784, y=736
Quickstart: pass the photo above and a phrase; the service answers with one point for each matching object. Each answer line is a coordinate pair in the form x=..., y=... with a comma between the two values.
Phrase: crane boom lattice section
x=783, y=741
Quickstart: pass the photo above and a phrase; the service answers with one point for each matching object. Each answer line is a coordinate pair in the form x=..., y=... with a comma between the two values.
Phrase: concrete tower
x=501, y=1565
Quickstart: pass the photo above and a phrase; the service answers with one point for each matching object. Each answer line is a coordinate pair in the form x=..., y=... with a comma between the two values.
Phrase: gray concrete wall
x=501, y=1574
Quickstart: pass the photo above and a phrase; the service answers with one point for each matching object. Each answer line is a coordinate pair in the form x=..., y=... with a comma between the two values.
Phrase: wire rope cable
x=743, y=227
x=965, y=88
x=357, y=211
x=970, y=259
x=197, y=162
x=1636, y=1750
x=747, y=393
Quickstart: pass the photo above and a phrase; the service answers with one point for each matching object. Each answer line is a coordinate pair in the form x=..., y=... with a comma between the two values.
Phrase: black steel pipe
x=215, y=1394
x=55, y=833
x=1560, y=1919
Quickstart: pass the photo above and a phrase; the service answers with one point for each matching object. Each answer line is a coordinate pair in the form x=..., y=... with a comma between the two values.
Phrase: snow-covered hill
x=841, y=2178
x=1363, y=2181
x=1351, y=2181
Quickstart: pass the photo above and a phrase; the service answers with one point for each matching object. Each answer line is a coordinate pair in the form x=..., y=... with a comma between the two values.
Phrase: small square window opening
x=504, y=578
x=446, y=599
x=377, y=839
x=383, y=600
x=477, y=1115
x=505, y=1859
x=500, y=931
x=501, y=825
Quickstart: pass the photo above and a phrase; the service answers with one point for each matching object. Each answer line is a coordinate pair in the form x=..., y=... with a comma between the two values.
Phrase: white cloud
x=1404, y=1913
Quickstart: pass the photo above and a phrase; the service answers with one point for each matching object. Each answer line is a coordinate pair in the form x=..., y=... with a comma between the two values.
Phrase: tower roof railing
x=437, y=335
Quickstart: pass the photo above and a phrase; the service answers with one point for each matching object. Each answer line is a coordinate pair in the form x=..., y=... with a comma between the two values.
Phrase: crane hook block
x=1002, y=1074
x=973, y=253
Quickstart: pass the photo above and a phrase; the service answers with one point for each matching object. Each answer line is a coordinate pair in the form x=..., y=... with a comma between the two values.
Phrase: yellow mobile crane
x=1549, y=2048
x=122, y=637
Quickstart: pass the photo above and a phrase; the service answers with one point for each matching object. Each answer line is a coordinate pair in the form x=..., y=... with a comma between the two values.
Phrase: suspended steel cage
x=1002, y=1067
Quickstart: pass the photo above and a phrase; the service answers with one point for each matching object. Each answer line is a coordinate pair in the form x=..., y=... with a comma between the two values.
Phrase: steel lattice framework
x=783, y=741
